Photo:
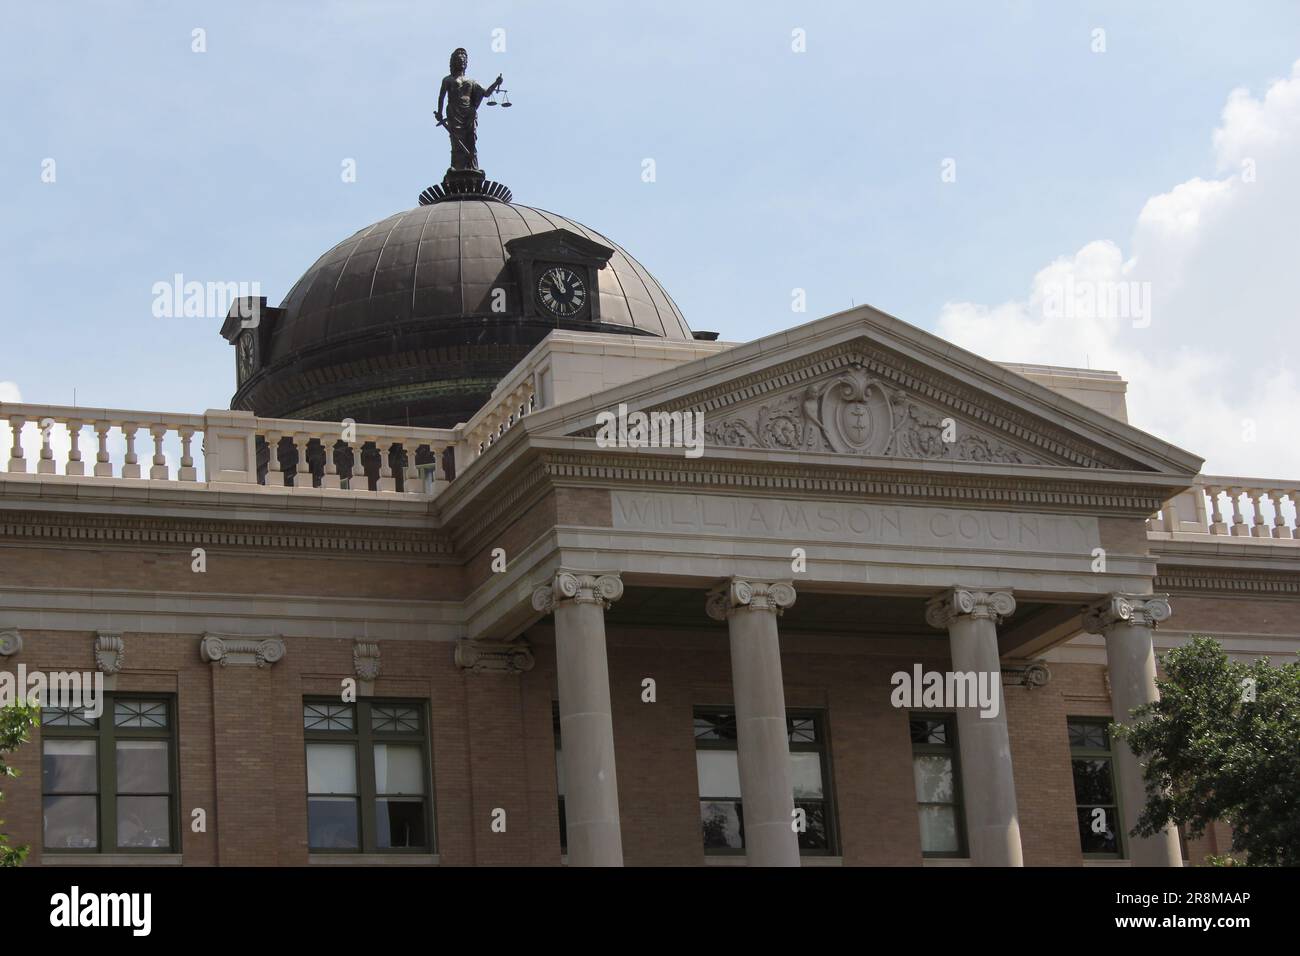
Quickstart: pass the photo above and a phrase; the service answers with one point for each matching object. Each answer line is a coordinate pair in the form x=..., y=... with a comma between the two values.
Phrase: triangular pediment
x=558, y=244
x=865, y=385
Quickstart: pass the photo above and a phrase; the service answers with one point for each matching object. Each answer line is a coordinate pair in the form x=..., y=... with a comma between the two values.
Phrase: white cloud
x=1212, y=368
x=9, y=392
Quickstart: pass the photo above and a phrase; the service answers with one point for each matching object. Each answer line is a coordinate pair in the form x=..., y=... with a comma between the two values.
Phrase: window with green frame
x=938, y=785
x=368, y=780
x=1092, y=761
x=108, y=783
x=721, y=810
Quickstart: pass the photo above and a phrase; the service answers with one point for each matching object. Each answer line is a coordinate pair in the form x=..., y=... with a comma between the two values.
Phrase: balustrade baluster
x=17, y=463
x=158, y=471
x=131, y=465
x=187, y=471
x=46, y=466
x=103, y=464
x=75, y=466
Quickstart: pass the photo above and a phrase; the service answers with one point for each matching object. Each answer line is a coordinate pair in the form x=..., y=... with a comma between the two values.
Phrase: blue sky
x=775, y=169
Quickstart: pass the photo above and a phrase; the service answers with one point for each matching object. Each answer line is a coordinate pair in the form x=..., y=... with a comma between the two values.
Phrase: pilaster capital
x=740, y=593
x=1136, y=610
x=232, y=649
x=943, y=609
x=579, y=587
x=110, y=651
x=515, y=657
x=365, y=660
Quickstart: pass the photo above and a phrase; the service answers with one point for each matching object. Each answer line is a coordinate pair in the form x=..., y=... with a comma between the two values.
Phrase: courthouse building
x=405, y=603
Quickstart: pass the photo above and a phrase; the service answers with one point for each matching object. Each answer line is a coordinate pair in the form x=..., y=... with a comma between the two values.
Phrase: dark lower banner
x=338, y=904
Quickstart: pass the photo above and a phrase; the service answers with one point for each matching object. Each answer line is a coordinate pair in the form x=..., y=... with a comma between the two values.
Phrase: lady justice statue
x=462, y=97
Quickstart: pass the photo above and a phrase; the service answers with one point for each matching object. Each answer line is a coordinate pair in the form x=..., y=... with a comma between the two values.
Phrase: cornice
x=79, y=527
x=491, y=507
x=1244, y=582
x=764, y=476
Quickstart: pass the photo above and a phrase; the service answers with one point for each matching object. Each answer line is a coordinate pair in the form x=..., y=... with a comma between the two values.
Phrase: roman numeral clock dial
x=561, y=292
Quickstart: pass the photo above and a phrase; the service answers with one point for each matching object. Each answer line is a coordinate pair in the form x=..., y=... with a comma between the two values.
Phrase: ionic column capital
x=228, y=649
x=578, y=587
x=515, y=657
x=739, y=593
x=1137, y=610
x=943, y=609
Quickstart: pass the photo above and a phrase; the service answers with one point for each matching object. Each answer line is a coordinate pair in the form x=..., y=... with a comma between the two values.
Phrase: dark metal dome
x=396, y=324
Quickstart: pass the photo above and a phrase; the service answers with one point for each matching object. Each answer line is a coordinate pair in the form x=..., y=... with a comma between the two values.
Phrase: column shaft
x=1127, y=622
x=762, y=734
x=984, y=747
x=586, y=723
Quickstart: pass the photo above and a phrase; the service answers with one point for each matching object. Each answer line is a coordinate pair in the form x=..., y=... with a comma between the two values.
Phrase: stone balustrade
x=1255, y=508
x=515, y=400
x=236, y=448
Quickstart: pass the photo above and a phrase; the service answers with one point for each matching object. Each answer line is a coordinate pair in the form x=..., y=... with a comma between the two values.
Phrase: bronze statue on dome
x=462, y=97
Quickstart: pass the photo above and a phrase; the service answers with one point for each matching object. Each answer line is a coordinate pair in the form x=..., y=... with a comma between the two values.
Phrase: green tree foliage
x=1214, y=753
x=16, y=722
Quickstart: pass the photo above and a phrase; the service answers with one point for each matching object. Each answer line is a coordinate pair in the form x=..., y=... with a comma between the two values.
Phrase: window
x=938, y=785
x=1092, y=761
x=108, y=784
x=721, y=811
x=367, y=776
x=559, y=776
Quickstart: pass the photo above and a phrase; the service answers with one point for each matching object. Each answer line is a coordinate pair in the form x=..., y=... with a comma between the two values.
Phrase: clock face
x=561, y=291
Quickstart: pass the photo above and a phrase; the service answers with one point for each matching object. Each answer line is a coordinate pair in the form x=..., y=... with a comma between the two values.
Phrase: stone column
x=762, y=735
x=988, y=786
x=1126, y=621
x=578, y=601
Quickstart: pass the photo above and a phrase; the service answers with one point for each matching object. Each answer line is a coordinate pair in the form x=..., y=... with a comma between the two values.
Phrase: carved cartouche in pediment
x=856, y=413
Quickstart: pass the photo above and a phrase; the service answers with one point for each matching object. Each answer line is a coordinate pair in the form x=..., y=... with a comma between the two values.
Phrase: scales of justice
x=459, y=99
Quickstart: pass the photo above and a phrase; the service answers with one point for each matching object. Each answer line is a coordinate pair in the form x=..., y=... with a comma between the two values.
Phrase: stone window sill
x=946, y=861
x=110, y=859
x=742, y=860
x=373, y=859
